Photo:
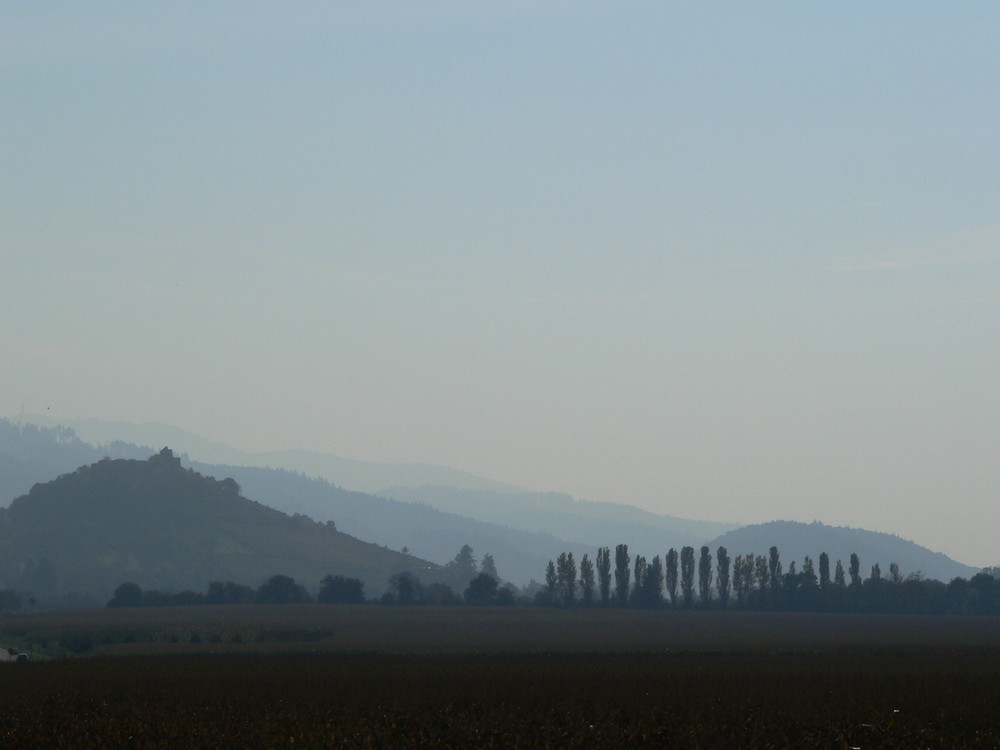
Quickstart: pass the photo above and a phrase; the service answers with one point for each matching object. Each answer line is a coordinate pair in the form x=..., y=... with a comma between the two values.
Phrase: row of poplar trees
x=755, y=581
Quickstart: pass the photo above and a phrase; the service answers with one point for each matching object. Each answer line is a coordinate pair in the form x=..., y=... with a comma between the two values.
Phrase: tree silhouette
x=489, y=567
x=281, y=589
x=654, y=582
x=774, y=572
x=722, y=576
x=647, y=590
x=671, y=576
x=229, y=592
x=551, y=581
x=894, y=577
x=855, y=570
x=405, y=588
x=687, y=576
x=763, y=578
x=808, y=572
x=463, y=567
x=705, y=576
x=740, y=580
x=587, y=580
x=838, y=576
x=604, y=574
x=824, y=571
x=638, y=579
x=566, y=578
x=482, y=590
x=127, y=595
x=622, y=574
x=440, y=594
x=341, y=590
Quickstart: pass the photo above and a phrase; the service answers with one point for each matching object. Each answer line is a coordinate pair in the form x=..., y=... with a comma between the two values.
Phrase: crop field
x=516, y=677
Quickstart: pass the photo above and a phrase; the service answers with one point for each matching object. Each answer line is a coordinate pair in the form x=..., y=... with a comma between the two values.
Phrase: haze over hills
x=162, y=526
x=594, y=523
x=29, y=454
x=363, y=476
x=522, y=530
x=797, y=540
x=520, y=554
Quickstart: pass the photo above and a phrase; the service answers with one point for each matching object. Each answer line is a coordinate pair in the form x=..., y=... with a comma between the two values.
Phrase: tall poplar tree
x=587, y=580
x=763, y=576
x=604, y=574
x=566, y=578
x=687, y=576
x=639, y=579
x=855, y=571
x=824, y=571
x=671, y=576
x=739, y=580
x=722, y=576
x=839, y=579
x=774, y=572
x=705, y=576
x=550, y=582
x=654, y=582
x=622, y=574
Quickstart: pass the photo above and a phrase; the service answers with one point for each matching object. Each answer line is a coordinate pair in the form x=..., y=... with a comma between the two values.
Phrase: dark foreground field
x=727, y=681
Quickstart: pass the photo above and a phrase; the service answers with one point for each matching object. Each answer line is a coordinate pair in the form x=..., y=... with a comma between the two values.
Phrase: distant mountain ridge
x=796, y=540
x=514, y=526
x=593, y=523
x=362, y=476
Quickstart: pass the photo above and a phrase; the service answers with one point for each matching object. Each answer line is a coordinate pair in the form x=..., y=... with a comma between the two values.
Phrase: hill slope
x=162, y=526
x=428, y=533
x=796, y=540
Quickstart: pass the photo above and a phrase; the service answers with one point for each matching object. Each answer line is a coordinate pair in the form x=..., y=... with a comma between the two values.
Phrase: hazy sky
x=729, y=261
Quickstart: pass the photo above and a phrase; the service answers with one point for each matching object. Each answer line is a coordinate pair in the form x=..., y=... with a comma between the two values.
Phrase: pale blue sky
x=730, y=261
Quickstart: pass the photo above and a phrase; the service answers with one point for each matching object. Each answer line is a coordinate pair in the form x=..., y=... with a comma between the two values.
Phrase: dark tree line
x=279, y=589
x=478, y=583
x=679, y=579
x=761, y=582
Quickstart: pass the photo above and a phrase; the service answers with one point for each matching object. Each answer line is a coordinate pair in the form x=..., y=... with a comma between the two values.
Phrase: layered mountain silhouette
x=30, y=454
x=165, y=527
x=361, y=476
x=595, y=524
x=520, y=554
x=521, y=529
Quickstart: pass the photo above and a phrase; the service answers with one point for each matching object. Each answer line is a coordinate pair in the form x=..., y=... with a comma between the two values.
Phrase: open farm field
x=485, y=630
x=896, y=698
x=369, y=676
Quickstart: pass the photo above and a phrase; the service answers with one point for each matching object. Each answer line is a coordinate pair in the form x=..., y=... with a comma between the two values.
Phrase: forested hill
x=166, y=527
x=797, y=540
